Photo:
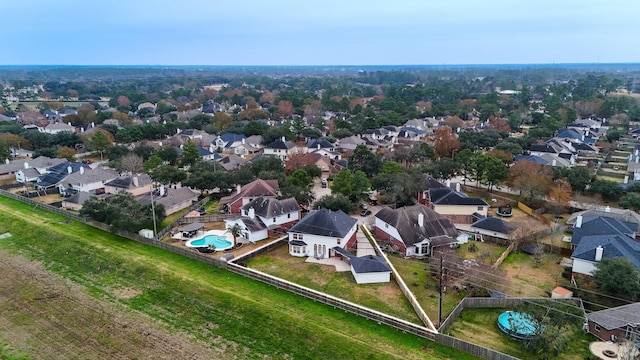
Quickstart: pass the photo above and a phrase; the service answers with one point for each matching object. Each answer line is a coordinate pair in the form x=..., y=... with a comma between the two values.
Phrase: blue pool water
x=517, y=325
x=218, y=241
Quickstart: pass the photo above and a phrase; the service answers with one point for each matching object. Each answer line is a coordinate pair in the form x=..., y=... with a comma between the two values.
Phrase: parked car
x=365, y=213
x=324, y=183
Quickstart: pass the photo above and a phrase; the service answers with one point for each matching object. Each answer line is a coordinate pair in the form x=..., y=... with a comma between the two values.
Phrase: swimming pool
x=220, y=242
x=517, y=325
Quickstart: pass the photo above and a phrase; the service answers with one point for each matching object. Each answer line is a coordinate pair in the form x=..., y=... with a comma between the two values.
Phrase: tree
x=66, y=153
x=131, y=163
x=100, y=142
x=335, y=202
x=4, y=152
x=353, y=185
x=300, y=178
x=607, y=188
x=631, y=201
x=560, y=195
x=618, y=276
x=531, y=179
x=235, y=231
x=167, y=175
x=123, y=212
x=190, y=154
x=152, y=163
x=445, y=142
x=168, y=154
x=285, y=108
x=365, y=160
x=495, y=171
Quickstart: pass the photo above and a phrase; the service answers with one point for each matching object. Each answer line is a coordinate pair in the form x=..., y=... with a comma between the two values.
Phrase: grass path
x=218, y=308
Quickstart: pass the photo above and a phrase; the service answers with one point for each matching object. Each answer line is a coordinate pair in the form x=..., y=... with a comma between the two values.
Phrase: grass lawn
x=385, y=297
x=479, y=326
x=415, y=274
x=240, y=317
x=171, y=218
x=530, y=277
x=486, y=253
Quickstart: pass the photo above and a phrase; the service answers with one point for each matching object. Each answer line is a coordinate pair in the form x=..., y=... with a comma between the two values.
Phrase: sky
x=319, y=32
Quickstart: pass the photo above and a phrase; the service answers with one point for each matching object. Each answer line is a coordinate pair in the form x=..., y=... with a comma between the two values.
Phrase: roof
x=192, y=227
x=405, y=220
x=612, y=247
x=602, y=225
x=232, y=162
x=89, y=176
x=253, y=224
x=126, y=182
x=617, y=317
x=446, y=196
x=172, y=197
x=569, y=134
x=533, y=158
x=625, y=215
x=78, y=198
x=268, y=207
x=325, y=222
x=298, y=243
x=280, y=144
x=562, y=291
x=369, y=264
x=231, y=138
x=319, y=144
x=494, y=224
x=254, y=189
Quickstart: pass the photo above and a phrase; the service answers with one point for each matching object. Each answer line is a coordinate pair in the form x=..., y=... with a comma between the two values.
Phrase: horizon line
x=328, y=65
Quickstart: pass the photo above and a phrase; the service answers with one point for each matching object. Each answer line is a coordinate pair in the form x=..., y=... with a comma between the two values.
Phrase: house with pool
x=320, y=232
x=266, y=216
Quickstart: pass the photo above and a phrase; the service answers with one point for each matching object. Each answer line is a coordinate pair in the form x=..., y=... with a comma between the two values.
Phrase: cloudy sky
x=319, y=32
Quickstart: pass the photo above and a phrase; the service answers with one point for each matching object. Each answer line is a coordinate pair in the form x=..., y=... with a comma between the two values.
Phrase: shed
x=561, y=293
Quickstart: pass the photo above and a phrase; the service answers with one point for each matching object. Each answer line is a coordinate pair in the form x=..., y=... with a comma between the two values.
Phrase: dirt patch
x=49, y=317
x=530, y=277
x=126, y=293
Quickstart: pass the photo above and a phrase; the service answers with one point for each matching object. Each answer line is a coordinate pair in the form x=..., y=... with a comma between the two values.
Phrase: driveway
x=318, y=190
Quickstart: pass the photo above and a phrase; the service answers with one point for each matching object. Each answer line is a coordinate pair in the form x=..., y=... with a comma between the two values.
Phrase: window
x=274, y=219
x=386, y=225
x=596, y=327
x=338, y=241
x=246, y=213
x=295, y=249
x=296, y=236
x=480, y=208
x=288, y=216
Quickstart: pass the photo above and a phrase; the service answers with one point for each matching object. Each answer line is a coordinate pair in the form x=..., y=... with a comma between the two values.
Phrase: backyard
x=384, y=297
x=153, y=303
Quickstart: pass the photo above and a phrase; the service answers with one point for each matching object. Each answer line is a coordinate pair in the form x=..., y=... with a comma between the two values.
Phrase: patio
x=624, y=350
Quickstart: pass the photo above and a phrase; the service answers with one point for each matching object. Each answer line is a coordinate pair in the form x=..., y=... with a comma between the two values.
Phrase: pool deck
x=597, y=347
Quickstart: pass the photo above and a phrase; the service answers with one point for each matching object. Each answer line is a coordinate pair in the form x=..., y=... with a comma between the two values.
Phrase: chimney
x=160, y=143
x=238, y=188
x=318, y=146
x=458, y=188
x=599, y=251
x=448, y=183
x=421, y=219
x=135, y=182
x=26, y=165
x=69, y=169
x=283, y=140
x=93, y=124
x=578, y=223
x=6, y=161
x=607, y=209
x=252, y=213
x=244, y=141
x=553, y=162
x=162, y=190
x=81, y=169
x=626, y=179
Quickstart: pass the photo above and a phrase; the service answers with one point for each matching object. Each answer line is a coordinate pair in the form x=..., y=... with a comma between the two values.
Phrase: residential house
x=350, y=143
x=87, y=180
x=414, y=230
x=324, y=163
x=243, y=150
x=136, y=185
x=616, y=323
x=58, y=127
x=453, y=204
x=317, y=144
x=207, y=155
x=267, y=216
x=172, y=199
x=491, y=227
x=228, y=141
x=232, y=162
x=599, y=237
x=76, y=201
x=19, y=169
x=255, y=141
x=282, y=149
x=245, y=194
x=55, y=174
x=625, y=215
x=318, y=233
x=410, y=134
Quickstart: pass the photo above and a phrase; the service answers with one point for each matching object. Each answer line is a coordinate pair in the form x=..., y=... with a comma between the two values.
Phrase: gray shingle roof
x=405, y=220
x=446, y=196
x=325, y=222
x=369, y=264
x=613, y=246
x=494, y=224
x=267, y=207
x=617, y=317
x=126, y=182
x=602, y=225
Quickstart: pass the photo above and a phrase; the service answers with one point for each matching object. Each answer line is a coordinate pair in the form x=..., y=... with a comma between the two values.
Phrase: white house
x=252, y=229
x=88, y=180
x=320, y=231
x=266, y=216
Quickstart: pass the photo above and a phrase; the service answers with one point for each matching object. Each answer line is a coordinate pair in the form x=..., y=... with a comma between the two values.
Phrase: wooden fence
x=472, y=349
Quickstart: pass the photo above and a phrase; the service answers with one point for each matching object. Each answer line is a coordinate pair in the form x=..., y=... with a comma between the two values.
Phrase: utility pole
x=153, y=214
x=440, y=292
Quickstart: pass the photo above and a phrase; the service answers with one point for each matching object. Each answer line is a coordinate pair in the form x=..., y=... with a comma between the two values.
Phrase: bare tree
x=131, y=163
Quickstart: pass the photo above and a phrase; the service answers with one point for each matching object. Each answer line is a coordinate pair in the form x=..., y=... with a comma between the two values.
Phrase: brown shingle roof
x=405, y=220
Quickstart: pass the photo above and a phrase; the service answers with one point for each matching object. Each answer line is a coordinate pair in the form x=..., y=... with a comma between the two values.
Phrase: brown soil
x=48, y=317
x=528, y=279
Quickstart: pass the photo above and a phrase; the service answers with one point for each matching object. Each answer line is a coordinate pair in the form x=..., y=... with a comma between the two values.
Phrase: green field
x=238, y=317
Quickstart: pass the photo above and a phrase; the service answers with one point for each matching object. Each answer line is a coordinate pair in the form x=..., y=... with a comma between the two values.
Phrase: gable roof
x=230, y=138
x=319, y=144
x=494, y=224
x=617, y=317
x=405, y=220
x=91, y=176
x=446, y=196
x=253, y=224
x=624, y=215
x=369, y=264
x=280, y=144
x=127, y=182
x=612, y=247
x=601, y=225
x=268, y=207
x=325, y=222
x=255, y=189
